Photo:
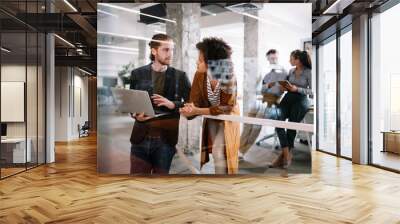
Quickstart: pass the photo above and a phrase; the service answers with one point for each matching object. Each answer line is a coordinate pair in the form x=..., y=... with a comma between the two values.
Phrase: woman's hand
x=283, y=88
x=189, y=110
x=291, y=88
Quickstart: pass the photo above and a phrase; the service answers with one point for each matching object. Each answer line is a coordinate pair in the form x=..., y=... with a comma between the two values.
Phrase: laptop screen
x=3, y=129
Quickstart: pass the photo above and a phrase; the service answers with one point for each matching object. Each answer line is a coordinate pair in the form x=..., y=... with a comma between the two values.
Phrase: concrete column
x=360, y=90
x=250, y=66
x=50, y=99
x=185, y=34
x=143, y=53
x=50, y=92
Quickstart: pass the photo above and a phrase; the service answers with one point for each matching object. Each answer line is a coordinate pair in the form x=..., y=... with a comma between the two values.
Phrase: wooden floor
x=70, y=191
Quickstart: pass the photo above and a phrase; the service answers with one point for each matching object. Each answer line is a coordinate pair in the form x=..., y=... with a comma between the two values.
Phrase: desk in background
x=391, y=141
x=13, y=151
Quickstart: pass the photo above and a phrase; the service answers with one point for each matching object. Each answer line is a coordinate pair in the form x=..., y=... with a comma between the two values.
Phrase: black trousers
x=294, y=107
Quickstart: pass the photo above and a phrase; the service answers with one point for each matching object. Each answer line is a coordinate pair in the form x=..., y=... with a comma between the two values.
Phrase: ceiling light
x=135, y=11
x=130, y=36
x=70, y=5
x=118, y=48
x=107, y=13
x=337, y=7
x=64, y=40
x=84, y=71
x=117, y=51
x=252, y=16
x=159, y=31
x=5, y=50
x=208, y=12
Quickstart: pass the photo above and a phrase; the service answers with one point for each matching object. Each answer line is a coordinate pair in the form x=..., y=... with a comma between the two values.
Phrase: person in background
x=153, y=139
x=294, y=104
x=271, y=92
x=214, y=92
x=271, y=89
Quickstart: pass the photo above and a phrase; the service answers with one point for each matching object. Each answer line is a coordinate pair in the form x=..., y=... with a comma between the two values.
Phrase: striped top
x=213, y=96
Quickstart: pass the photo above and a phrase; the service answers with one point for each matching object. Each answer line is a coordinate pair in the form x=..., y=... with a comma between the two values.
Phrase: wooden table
x=391, y=141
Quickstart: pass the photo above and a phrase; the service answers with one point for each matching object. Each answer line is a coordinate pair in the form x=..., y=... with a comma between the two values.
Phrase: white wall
x=81, y=84
x=15, y=73
x=33, y=126
x=285, y=26
x=110, y=61
x=62, y=81
x=70, y=83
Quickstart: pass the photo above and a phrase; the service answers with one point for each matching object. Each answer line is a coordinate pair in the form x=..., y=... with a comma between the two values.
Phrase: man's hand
x=162, y=101
x=140, y=117
x=269, y=85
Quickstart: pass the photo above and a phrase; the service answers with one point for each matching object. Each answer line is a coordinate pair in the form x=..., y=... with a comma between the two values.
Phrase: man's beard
x=165, y=62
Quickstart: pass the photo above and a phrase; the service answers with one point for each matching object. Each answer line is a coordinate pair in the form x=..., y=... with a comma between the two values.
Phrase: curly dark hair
x=214, y=49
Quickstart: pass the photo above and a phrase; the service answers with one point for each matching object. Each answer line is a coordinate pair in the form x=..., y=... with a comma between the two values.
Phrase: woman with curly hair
x=214, y=92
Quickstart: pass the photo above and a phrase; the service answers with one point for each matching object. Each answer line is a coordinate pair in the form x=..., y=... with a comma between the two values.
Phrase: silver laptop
x=135, y=101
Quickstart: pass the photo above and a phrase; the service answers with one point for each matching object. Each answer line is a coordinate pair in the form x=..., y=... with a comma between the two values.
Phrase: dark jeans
x=294, y=107
x=151, y=156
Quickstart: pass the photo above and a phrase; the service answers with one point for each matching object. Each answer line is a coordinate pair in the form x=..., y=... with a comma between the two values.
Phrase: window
x=385, y=88
x=327, y=97
x=346, y=94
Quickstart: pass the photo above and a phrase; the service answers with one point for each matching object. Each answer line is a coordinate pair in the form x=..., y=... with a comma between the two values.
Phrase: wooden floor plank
x=71, y=191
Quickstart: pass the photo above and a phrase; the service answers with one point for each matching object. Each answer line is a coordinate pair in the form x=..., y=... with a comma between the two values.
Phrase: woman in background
x=295, y=103
x=214, y=92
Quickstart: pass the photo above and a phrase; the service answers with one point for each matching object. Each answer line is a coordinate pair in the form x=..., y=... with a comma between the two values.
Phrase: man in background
x=271, y=92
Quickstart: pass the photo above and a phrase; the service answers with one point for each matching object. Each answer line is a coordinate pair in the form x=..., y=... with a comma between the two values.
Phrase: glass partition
x=123, y=50
x=14, y=145
x=22, y=89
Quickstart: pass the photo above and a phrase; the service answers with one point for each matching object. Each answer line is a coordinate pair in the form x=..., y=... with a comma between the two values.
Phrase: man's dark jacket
x=176, y=89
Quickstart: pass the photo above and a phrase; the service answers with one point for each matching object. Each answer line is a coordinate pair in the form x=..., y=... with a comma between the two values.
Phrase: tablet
x=284, y=82
x=134, y=101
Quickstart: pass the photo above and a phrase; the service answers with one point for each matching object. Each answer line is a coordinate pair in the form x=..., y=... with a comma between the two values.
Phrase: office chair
x=272, y=102
x=84, y=130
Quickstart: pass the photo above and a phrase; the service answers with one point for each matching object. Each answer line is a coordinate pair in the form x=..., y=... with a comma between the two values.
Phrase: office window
x=346, y=94
x=385, y=89
x=327, y=96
